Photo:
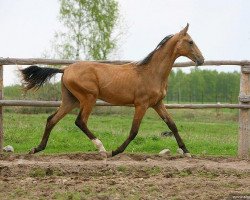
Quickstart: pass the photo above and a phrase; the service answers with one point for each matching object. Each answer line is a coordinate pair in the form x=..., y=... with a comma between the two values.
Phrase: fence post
x=244, y=114
x=1, y=109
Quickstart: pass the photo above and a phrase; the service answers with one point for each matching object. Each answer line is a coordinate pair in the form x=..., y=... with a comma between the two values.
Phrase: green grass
x=205, y=132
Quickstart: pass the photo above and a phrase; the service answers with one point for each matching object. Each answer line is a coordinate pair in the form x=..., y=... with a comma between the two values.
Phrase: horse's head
x=186, y=47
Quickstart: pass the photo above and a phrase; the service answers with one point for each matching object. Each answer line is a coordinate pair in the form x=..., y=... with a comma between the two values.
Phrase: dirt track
x=86, y=176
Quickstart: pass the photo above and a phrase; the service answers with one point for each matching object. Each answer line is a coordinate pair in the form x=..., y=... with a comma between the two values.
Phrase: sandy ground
x=126, y=176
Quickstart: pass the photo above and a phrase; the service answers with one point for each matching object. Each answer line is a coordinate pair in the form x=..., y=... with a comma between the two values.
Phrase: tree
x=203, y=86
x=89, y=27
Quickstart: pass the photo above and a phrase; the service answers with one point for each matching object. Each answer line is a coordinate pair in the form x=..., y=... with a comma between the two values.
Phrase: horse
x=142, y=84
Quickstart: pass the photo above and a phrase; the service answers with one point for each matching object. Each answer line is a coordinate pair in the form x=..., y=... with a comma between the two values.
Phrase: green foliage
x=49, y=92
x=203, y=86
x=89, y=27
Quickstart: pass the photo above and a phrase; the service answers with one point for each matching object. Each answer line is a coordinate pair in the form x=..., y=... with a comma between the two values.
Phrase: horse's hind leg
x=86, y=107
x=68, y=103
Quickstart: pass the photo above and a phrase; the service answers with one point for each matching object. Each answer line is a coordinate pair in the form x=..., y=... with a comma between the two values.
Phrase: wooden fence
x=244, y=95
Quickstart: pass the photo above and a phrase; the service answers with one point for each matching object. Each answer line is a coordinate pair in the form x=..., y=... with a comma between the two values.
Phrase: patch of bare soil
x=126, y=176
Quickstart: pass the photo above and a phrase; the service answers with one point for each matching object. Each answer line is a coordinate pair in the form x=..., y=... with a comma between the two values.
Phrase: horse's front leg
x=162, y=111
x=139, y=113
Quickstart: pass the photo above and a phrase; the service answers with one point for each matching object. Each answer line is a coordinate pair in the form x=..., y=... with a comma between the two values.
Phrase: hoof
x=103, y=154
x=188, y=155
x=32, y=151
x=109, y=154
x=114, y=153
x=180, y=151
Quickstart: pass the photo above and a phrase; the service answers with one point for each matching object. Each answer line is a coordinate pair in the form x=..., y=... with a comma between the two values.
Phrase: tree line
x=203, y=86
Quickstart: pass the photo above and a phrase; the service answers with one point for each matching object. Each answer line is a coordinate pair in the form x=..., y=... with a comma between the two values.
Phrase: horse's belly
x=119, y=97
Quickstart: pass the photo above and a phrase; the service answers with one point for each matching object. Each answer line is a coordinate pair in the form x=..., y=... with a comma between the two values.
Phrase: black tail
x=34, y=77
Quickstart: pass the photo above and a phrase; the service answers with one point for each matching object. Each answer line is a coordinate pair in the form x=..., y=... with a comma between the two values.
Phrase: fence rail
x=244, y=95
x=42, y=61
x=101, y=103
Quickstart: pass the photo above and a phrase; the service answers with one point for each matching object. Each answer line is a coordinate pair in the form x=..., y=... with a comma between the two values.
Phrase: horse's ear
x=184, y=31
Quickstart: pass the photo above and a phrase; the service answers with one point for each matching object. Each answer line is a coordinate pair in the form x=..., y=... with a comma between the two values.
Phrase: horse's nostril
x=199, y=62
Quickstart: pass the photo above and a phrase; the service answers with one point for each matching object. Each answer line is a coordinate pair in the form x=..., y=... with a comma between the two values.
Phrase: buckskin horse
x=142, y=84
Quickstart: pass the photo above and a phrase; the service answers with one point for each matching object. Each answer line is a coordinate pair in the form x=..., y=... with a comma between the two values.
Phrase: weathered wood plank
x=244, y=118
x=206, y=106
x=1, y=109
x=32, y=61
x=244, y=99
x=245, y=69
x=214, y=63
x=101, y=103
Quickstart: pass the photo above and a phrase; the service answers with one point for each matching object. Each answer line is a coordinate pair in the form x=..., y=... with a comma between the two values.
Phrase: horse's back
x=111, y=83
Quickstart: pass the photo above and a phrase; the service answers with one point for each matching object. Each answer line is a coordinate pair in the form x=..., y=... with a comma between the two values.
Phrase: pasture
x=206, y=132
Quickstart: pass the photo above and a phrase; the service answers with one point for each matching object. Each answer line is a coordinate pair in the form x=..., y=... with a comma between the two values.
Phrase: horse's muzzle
x=199, y=61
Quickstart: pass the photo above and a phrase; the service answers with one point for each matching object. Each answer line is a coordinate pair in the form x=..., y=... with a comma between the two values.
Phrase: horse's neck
x=162, y=62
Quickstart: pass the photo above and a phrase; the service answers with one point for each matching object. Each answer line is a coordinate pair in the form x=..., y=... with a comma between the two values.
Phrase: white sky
x=220, y=28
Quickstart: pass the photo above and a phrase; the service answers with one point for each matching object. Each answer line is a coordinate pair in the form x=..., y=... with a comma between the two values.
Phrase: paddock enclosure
x=243, y=106
x=128, y=175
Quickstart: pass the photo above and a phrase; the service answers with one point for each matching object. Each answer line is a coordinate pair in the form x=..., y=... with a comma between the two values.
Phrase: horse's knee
x=50, y=117
x=77, y=123
x=50, y=121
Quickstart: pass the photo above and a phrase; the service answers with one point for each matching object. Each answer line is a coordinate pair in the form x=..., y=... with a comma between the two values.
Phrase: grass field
x=205, y=132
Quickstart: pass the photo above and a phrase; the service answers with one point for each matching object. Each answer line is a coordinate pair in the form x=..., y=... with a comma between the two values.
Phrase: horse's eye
x=191, y=42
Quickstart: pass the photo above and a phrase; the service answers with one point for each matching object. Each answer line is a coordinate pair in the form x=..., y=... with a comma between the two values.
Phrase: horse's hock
x=244, y=96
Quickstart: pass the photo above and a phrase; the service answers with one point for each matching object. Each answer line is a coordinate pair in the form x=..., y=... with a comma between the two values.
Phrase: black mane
x=149, y=56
